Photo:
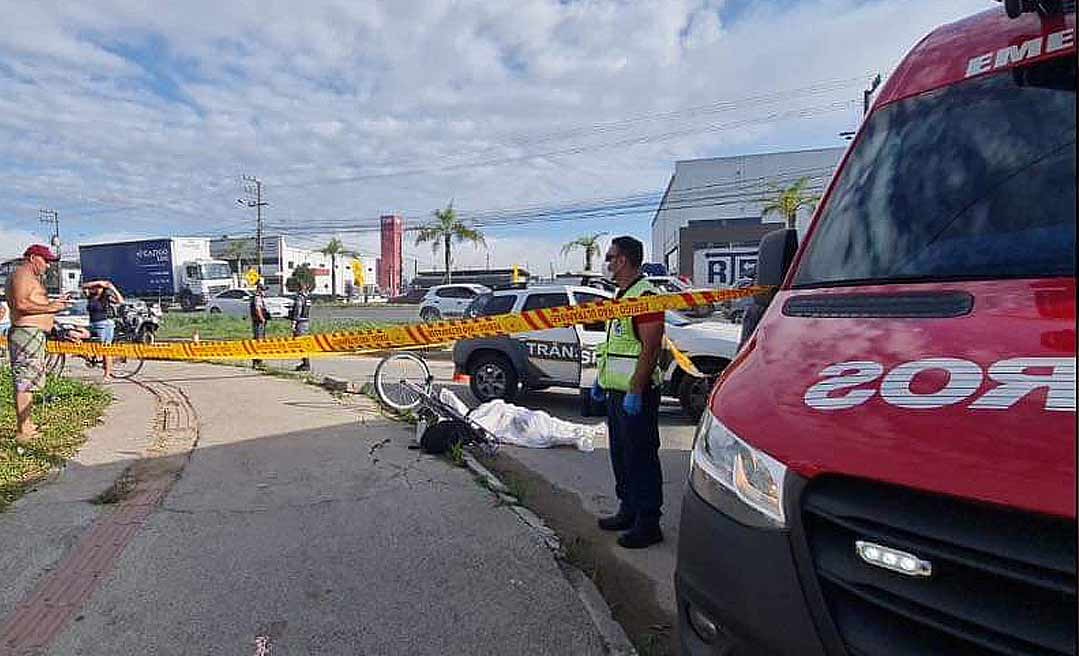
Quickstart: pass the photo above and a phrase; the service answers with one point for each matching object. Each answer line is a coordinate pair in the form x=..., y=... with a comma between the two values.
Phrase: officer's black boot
x=645, y=532
x=619, y=521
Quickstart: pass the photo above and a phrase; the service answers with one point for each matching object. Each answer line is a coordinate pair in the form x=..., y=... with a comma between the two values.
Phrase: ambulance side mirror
x=774, y=257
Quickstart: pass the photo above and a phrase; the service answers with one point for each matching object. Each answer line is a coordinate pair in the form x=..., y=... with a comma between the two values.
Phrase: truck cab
x=201, y=280
x=888, y=465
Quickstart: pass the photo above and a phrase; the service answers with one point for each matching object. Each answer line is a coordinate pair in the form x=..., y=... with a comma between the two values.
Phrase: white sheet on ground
x=531, y=428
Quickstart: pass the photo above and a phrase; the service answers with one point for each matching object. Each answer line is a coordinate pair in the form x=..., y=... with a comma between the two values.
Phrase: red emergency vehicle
x=888, y=466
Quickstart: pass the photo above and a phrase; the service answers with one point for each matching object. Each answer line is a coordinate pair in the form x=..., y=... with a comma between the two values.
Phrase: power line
x=254, y=188
x=51, y=217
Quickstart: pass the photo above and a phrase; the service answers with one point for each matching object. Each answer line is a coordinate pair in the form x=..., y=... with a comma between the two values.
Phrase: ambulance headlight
x=731, y=475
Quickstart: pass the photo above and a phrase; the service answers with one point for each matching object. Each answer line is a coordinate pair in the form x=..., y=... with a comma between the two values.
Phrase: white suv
x=442, y=301
x=500, y=367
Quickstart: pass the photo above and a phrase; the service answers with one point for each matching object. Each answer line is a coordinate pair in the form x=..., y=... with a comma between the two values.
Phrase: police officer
x=630, y=381
x=259, y=317
x=301, y=319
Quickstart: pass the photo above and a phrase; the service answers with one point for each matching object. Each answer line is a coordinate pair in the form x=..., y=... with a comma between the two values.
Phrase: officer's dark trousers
x=634, y=441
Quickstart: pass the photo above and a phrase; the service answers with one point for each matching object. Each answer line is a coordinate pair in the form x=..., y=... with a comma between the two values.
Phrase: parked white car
x=670, y=284
x=445, y=301
x=710, y=345
x=75, y=314
x=237, y=303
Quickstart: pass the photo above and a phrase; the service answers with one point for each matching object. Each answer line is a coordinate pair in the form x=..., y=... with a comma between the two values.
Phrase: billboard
x=722, y=267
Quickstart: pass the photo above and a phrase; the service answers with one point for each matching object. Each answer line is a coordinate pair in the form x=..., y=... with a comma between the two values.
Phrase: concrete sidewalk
x=571, y=489
x=299, y=524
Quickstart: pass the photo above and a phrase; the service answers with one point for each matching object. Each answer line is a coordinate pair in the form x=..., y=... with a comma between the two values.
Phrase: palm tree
x=235, y=251
x=333, y=249
x=788, y=200
x=590, y=244
x=446, y=229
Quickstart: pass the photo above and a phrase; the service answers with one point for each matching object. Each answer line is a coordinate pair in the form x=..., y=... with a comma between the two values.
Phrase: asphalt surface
x=570, y=489
x=300, y=525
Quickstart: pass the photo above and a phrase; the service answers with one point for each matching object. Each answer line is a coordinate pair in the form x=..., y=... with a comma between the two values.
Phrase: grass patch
x=456, y=454
x=176, y=325
x=63, y=412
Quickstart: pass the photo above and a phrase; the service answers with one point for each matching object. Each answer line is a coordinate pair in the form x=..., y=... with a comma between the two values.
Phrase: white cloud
x=155, y=110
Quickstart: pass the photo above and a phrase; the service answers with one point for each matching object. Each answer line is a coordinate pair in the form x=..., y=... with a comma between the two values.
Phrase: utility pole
x=52, y=217
x=254, y=187
x=868, y=93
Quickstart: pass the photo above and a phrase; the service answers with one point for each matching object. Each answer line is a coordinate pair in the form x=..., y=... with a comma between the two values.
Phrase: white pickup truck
x=502, y=367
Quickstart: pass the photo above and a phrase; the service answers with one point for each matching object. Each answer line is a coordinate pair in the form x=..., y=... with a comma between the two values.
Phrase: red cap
x=42, y=250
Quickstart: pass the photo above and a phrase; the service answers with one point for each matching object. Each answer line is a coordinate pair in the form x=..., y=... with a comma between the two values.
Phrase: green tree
x=786, y=201
x=445, y=230
x=301, y=275
x=333, y=249
x=590, y=245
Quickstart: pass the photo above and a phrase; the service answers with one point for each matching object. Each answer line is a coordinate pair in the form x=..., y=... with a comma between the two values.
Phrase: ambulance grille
x=1002, y=583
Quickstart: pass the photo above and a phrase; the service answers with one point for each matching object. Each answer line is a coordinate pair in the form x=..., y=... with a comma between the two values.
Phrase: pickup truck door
x=553, y=353
x=590, y=336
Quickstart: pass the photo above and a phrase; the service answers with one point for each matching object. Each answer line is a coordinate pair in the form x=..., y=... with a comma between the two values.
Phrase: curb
x=611, y=632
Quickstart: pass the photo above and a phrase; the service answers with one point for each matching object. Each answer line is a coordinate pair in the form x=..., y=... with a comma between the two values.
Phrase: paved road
x=380, y=312
x=570, y=489
x=299, y=525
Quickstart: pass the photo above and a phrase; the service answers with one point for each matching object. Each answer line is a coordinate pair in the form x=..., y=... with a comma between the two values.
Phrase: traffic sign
x=252, y=277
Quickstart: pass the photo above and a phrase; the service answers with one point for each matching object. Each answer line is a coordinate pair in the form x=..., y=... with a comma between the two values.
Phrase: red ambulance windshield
x=974, y=180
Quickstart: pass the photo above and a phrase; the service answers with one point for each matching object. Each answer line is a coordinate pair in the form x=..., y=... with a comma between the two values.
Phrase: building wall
x=733, y=189
x=279, y=261
x=389, y=268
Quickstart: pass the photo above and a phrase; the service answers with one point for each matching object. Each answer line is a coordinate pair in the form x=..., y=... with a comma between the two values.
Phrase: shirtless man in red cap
x=31, y=320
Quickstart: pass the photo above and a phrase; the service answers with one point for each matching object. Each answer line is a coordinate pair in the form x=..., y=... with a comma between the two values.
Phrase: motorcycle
x=137, y=322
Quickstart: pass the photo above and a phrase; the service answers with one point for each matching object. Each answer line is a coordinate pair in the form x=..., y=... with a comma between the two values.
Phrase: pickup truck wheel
x=693, y=392
x=493, y=377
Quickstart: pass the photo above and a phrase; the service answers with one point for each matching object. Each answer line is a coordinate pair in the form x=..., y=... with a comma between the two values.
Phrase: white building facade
x=280, y=260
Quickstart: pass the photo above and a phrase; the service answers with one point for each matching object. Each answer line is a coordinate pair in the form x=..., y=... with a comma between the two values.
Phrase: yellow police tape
x=409, y=335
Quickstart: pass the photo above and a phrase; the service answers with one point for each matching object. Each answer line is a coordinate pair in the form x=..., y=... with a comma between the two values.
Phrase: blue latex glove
x=632, y=404
x=597, y=392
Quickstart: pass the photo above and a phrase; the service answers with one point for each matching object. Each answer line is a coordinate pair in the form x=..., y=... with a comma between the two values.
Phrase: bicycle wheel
x=125, y=367
x=54, y=363
x=392, y=372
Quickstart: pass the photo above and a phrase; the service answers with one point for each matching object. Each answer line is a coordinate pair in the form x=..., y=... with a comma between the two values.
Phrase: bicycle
x=403, y=383
x=122, y=366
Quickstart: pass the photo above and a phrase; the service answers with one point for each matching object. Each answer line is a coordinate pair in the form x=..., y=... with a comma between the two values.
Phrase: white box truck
x=170, y=270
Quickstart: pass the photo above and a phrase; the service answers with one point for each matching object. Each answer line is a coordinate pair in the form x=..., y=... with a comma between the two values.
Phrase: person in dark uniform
x=259, y=317
x=301, y=319
x=629, y=378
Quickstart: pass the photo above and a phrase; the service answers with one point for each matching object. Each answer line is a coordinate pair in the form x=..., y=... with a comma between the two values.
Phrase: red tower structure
x=389, y=270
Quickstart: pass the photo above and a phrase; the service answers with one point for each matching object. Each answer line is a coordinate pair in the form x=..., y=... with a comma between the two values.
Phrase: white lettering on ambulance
x=1060, y=40
x=842, y=376
x=1016, y=54
x=1017, y=383
x=979, y=64
x=1014, y=375
x=964, y=378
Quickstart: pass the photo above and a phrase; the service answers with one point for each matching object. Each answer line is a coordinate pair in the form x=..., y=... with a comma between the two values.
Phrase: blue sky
x=134, y=119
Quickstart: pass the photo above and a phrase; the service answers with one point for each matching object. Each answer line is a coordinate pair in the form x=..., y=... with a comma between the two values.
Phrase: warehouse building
x=280, y=259
x=710, y=220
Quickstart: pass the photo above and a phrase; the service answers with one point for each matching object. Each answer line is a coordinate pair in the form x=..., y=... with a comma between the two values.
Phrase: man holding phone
x=31, y=320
